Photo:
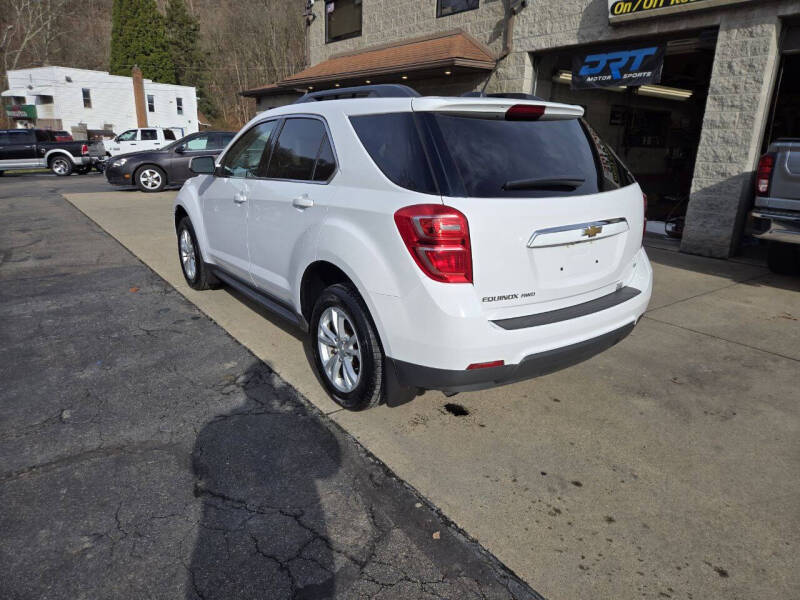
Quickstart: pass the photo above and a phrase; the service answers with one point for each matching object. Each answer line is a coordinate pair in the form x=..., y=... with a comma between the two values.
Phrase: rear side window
x=326, y=163
x=169, y=134
x=392, y=141
x=149, y=134
x=517, y=158
x=297, y=149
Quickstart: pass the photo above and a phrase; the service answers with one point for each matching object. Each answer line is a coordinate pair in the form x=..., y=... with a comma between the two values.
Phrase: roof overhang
x=15, y=92
x=441, y=54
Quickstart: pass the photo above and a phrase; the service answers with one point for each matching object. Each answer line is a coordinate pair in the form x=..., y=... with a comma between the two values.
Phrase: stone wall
x=740, y=89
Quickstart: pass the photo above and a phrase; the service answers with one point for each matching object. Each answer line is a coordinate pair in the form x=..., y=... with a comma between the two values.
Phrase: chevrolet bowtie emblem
x=592, y=230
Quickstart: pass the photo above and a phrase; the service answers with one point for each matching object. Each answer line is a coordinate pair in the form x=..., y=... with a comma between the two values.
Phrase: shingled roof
x=451, y=49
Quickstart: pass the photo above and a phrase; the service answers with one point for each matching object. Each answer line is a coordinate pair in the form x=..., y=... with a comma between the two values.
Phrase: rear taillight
x=84, y=149
x=524, y=112
x=437, y=237
x=764, y=174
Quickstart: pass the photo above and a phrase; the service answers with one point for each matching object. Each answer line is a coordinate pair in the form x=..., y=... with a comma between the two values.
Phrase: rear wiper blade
x=545, y=183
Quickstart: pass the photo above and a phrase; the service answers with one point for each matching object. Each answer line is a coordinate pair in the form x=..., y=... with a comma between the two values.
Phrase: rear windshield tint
x=393, y=142
x=492, y=158
x=486, y=158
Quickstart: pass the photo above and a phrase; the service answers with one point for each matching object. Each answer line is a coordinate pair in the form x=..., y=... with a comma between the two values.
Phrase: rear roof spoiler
x=494, y=108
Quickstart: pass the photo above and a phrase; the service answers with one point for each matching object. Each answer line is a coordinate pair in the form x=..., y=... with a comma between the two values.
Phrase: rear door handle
x=303, y=201
x=239, y=198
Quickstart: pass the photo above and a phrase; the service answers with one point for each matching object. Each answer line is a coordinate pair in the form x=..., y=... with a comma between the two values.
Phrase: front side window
x=87, y=97
x=20, y=136
x=297, y=149
x=342, y=19
x=451, y=7
x=151, y=103
x=198, y=143
x=149, y=135
x=243, y=159
x=179, y=105
x=128, y=136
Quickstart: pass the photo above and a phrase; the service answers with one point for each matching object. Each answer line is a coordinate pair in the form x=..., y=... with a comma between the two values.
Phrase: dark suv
x=38, y=148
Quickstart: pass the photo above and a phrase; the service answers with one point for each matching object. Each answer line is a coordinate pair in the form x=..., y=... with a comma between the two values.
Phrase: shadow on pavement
x=263, y=527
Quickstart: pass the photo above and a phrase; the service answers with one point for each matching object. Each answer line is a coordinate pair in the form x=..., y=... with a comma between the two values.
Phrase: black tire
x=203, y=278
x=1, y=173
x=783, y=258
x=150, y=178
x=61, y=166
x=371, y=386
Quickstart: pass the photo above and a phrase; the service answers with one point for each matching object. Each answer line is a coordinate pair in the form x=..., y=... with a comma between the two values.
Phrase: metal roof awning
x=20, y=92
x=435, y=55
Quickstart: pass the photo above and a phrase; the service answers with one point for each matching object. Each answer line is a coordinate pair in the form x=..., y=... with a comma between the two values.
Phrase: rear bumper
x=534, y=365
x=775, y=225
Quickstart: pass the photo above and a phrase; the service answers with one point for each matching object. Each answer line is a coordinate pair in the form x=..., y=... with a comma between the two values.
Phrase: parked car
x=435, y=243
x=776, y=216
x=136, y=140
x=153, y=170
x=35, y=149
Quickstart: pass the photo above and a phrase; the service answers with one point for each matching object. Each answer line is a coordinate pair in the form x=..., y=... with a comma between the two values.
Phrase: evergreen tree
x=191, y=67
x=139, y=37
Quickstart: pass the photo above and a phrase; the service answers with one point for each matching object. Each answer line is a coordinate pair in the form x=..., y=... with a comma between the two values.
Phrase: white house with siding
x=63, y=98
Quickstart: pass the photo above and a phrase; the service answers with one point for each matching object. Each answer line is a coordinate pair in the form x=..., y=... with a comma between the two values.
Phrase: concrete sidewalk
x=665, y=467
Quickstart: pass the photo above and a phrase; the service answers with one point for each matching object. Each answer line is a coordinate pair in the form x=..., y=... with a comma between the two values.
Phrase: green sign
x=21, y=111
x=625, y=10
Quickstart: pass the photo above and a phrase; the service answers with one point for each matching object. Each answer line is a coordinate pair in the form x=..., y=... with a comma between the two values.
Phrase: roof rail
x=384, y=90
x=511, y=95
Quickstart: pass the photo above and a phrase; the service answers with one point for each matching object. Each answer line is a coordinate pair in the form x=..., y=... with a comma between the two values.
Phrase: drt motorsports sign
x=21, y=111
x=619, y=66
x=628, y=10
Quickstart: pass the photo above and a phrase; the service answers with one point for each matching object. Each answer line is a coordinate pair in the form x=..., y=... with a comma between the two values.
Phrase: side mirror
x=180, y=149
x=202, y=165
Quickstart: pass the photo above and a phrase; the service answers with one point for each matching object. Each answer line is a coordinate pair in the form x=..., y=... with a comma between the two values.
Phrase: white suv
x=423, y=242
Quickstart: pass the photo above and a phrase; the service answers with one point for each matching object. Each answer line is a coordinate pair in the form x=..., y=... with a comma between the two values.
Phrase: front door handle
x=239, y=198
x=303, y=201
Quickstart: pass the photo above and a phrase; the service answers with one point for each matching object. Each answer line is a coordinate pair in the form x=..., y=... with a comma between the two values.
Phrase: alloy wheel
x=339, y=349
x=60, y=166
x=188, y=256
x=150, y=179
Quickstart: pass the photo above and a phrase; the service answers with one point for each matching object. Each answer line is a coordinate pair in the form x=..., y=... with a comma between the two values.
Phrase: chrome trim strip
x=609, y=227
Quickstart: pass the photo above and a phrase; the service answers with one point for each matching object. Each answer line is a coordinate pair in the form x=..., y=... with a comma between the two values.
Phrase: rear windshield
x=484, y=158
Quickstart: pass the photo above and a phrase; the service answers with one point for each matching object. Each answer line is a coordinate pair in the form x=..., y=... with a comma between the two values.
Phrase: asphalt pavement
x=145, y=453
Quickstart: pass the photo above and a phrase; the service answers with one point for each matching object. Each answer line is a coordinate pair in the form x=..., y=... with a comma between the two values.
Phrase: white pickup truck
x=144, y=138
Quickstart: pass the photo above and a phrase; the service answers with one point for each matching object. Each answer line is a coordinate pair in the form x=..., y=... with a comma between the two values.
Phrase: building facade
x=77, y=100
x=727, y=85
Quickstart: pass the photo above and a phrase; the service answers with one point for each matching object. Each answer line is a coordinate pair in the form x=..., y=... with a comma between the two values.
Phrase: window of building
x=87, y=97
x=18, y=100
x=179, y=104
x=44, y=99
x=297, y=149
x=342, y=19
x=151, y=103
x=451, y=7
x=149, y=134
